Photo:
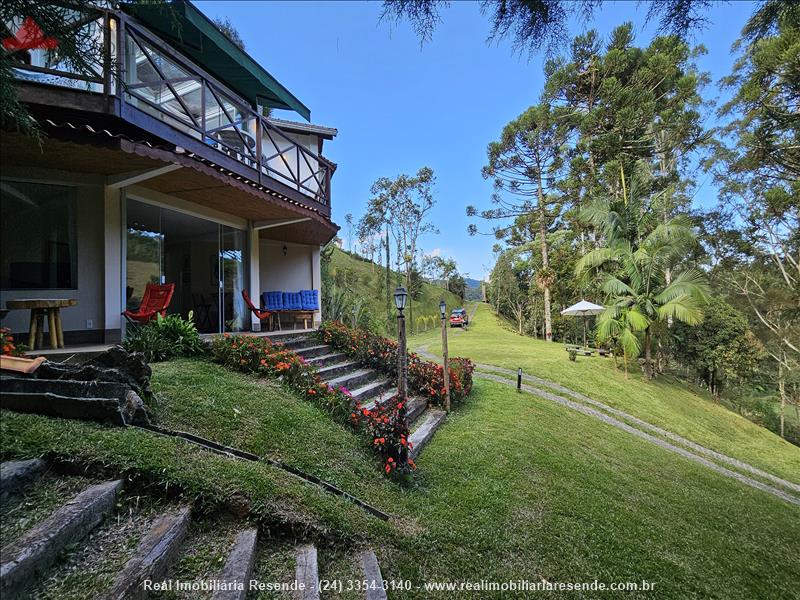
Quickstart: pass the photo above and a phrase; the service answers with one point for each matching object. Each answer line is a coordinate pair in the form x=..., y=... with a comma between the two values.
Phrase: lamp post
x=400, y=296
x=445, y=365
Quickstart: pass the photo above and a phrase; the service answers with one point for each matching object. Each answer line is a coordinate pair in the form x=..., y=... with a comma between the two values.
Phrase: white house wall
x=298, y=270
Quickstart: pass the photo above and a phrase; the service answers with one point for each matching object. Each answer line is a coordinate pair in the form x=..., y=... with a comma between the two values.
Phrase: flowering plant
x=424, y=377
x=7, y=344
x=385, y=425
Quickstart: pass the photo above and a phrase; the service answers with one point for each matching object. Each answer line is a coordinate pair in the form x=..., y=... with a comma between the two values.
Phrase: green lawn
x=665, y=402
x=512, y=487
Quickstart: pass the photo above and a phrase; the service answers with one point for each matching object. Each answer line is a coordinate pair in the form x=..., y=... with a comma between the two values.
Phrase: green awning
x=194, y=35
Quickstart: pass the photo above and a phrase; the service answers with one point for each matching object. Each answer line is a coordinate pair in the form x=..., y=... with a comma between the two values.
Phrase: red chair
x=261, y=314
x=155, y=301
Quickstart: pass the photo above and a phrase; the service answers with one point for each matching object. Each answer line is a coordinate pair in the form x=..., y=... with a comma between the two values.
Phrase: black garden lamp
x=400, y=297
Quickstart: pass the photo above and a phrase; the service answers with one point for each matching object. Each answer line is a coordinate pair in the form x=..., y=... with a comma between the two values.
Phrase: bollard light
x=519, y=379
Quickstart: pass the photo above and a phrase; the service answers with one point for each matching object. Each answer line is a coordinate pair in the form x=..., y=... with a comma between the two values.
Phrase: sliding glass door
x=204, y=259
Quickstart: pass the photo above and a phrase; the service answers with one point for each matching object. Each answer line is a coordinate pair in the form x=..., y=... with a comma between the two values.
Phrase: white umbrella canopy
x=583, y=309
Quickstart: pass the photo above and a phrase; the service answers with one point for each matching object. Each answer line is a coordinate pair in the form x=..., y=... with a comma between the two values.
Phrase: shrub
x=385, y=426
x=573, y=354
x=7, y=345
x=165, y=338
x=424, y=377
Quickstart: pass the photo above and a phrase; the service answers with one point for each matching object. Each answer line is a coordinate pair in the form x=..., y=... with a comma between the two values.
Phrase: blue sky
x=399, y=106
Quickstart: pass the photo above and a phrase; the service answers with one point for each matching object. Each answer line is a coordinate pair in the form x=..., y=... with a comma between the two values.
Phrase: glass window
x=39, y=243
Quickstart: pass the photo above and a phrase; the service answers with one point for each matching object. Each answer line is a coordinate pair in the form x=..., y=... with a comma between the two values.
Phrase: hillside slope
x=511, y=488
x=367, y=281
x=666, y=402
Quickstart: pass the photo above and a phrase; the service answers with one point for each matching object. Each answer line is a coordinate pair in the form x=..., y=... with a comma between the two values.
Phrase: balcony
x=151, y=85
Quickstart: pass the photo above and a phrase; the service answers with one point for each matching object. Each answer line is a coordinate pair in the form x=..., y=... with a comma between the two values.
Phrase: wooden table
x=41, y=307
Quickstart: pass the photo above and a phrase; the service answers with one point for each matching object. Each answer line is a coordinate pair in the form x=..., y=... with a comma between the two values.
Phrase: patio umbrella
x=583, y=309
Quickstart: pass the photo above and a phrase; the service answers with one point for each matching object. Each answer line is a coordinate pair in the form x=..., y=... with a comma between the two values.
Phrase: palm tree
x=638, y=290
x=620, y=325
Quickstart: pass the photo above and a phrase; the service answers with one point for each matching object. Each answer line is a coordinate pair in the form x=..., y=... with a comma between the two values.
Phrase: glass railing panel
x=48, y=66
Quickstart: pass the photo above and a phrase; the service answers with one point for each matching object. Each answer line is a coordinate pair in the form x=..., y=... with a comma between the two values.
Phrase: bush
x=424, y=377
x=165, y=338
x=7, y=345
x=386, y=426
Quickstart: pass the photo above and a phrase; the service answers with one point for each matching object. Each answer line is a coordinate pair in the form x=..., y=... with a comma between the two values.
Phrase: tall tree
x=758, y=168
x=628, y=110
x=402, y=206
x=524, y=165
x=510, y=287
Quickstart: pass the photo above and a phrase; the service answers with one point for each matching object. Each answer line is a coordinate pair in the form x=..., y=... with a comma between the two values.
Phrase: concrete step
x=238, y=568
x=30, y=556
x=353, y=380
x=16, y=474
x=370, y=390
x=296, y=341
x=430, y=421
x=338, y=369
x=157, y=549
x=415, y=407
x=383, y=396
x=327, y=359
x=372, y=576
x=311, y=351
x=306, y=573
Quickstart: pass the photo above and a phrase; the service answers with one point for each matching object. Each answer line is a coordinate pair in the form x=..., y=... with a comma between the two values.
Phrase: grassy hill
x=666, y=402
x=367, y=281
x=511, y=488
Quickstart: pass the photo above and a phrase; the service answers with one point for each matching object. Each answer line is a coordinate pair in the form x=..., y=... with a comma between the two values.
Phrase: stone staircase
x=106, y=544
x=368, y=386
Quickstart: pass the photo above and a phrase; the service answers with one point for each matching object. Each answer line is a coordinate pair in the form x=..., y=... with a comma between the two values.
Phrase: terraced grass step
x=86, y=570
x=306, y=573
x=155, y=552
x=276, y=562
x=312, y=350
x=338, y=369
x=429, y=423
x=238, y=567
x=32, y=554
x=16, y=474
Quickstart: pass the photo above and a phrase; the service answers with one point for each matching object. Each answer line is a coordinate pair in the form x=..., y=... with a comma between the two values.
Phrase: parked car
x=459, y=318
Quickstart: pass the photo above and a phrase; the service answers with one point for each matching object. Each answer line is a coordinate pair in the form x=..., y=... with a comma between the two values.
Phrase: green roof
x=196, y=36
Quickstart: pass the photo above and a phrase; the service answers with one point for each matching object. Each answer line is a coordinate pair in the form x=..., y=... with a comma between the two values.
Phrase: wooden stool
x=41, y=308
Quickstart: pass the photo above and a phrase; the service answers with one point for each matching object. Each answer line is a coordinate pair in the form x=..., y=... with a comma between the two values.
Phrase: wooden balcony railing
x=145, y=74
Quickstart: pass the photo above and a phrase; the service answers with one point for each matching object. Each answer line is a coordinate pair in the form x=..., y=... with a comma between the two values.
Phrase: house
x=162, y=169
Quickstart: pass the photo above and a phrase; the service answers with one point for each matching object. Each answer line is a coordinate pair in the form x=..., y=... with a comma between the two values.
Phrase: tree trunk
x=408, y=289
x=648, y=358
x=388, y=283
x=548, y=325
x=782, y=391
